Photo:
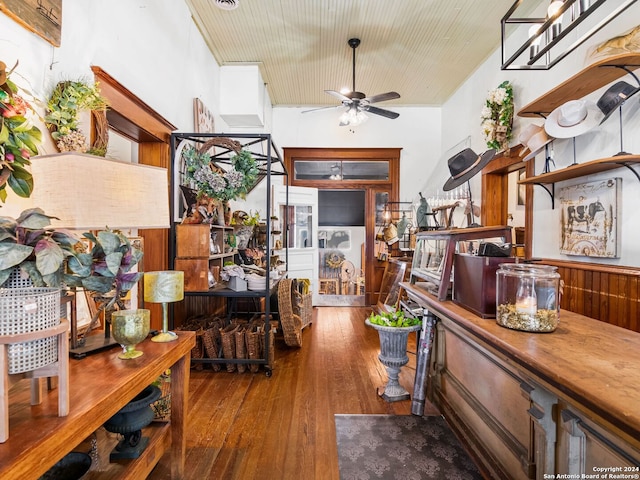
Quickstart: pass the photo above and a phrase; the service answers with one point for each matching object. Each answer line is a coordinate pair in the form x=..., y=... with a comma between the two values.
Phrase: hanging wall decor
x=589, y=216
x=204, y=121
x=497, y=117
x=43, y=17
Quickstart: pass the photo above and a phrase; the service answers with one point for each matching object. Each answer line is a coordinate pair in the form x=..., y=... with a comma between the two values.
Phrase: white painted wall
x=416, y=131
x=153, y=48
x=461, y=117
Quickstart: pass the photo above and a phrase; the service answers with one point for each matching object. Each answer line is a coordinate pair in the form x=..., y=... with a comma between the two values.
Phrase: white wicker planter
x=24, y=310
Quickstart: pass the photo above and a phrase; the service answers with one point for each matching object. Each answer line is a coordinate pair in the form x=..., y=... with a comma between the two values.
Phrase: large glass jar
x=528, y=297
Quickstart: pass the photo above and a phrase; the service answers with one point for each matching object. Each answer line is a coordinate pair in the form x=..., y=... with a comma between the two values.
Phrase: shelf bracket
x=625, y=164
x=626, y=69
x=551, y=192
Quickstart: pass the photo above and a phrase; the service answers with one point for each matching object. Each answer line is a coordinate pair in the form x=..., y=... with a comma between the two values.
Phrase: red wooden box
x=474, y=282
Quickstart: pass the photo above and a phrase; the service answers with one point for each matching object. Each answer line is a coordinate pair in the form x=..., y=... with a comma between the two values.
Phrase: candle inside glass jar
x=526, y=300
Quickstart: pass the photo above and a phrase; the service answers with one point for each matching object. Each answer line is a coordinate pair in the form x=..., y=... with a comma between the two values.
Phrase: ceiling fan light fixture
x=227, y=4
x=353, y=117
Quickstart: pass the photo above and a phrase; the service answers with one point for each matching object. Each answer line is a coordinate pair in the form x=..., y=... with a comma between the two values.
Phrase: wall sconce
x=547, y=38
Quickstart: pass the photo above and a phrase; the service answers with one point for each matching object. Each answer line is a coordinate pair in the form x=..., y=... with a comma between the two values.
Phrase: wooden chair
x=60, y=368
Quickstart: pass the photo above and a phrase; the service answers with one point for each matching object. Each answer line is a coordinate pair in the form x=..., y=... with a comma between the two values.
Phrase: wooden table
x=100, y=385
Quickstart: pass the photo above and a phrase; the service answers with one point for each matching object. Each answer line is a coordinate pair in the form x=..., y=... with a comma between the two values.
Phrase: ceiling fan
x=358, y=103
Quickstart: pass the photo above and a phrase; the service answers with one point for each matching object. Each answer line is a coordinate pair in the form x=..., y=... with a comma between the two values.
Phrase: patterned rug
x=400, y=447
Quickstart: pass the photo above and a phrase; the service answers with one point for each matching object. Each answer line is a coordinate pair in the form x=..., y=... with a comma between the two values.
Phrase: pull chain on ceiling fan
x=358, y=103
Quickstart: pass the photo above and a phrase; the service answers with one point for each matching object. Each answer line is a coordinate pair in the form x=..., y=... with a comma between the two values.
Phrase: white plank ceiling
x=422, y=49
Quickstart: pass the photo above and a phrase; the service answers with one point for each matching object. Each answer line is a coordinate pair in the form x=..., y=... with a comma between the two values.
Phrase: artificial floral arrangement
x=63, y=108
x=393, y=319
x=19, y=138
x=57, y=257
x=216, y=183
x=497, y=117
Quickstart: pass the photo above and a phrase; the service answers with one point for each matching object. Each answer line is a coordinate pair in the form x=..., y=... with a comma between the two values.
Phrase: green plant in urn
x=393, y=329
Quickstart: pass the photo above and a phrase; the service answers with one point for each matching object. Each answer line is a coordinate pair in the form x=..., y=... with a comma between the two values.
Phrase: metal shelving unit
x=269, y=163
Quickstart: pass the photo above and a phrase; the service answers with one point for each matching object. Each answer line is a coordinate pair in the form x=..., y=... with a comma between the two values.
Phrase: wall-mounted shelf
x=591, y=78
x=581, y=170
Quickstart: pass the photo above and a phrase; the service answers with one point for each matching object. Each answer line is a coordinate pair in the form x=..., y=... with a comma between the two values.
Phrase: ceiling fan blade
x=338, y=95
x=320, y=108
x=382, y=112
x=383, y=97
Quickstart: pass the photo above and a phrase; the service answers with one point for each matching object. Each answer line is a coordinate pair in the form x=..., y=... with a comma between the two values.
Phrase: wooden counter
x=566, y=402
x=100, y=385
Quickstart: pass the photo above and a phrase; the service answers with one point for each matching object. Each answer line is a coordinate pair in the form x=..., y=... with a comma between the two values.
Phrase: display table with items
x=536, y=405
x=99, y=387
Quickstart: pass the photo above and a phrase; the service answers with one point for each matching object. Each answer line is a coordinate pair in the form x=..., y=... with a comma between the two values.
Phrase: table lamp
x=164, y=287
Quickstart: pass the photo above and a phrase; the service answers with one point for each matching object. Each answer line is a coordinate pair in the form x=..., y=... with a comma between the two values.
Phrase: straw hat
x=465, y=165
x=534, y=138
x=573, y=118
x=614, y=97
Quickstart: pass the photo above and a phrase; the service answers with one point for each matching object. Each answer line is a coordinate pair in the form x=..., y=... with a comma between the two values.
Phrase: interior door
x=299, y=220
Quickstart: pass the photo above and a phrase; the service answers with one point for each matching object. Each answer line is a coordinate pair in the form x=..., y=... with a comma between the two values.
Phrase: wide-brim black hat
x=465, y=165
x=614, y=97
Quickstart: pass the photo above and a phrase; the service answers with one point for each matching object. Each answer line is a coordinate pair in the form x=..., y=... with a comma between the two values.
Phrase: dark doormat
x=400, y=447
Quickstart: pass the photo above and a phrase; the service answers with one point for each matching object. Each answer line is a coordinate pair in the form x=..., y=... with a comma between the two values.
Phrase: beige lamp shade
x=90, y=192
x=163, y=286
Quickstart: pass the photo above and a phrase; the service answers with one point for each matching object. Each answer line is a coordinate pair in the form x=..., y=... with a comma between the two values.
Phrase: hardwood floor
x=250, y=426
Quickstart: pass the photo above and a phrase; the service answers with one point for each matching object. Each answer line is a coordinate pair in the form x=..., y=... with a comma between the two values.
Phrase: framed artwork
x=340, y=239
x=203, y=120
x=589, y=216
x=42, y=17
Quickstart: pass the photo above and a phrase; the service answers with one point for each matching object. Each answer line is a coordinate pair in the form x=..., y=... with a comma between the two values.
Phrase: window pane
x=341, y=170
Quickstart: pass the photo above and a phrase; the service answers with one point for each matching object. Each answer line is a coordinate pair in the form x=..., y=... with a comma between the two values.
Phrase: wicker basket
x=228, y=335
x=162, y=407
x=305, y=308
x=24, y=310
x=254, y=350
x=291, y=323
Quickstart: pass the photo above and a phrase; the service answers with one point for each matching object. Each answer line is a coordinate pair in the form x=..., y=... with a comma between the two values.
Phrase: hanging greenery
x=216, y=183
x=62, y=119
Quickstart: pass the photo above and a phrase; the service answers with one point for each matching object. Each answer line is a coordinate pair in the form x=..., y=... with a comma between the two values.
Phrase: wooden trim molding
x=137, y=121
x=129, y=108
x=374, y=269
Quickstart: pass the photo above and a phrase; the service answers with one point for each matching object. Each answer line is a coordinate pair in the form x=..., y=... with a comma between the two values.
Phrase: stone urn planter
x=393, y=352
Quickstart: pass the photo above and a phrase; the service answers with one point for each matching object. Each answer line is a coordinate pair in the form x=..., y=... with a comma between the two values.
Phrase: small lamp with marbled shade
x=164, y=287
